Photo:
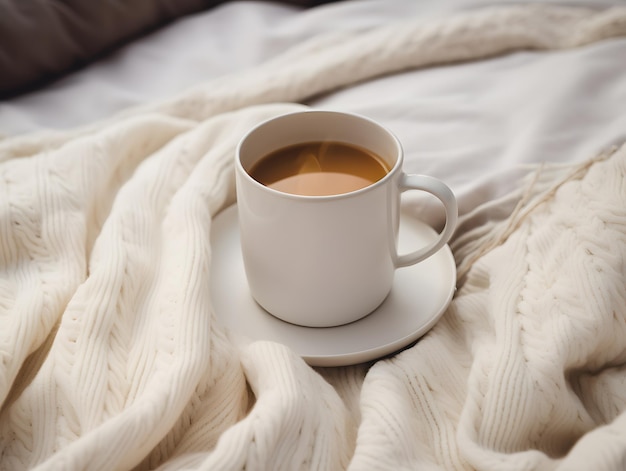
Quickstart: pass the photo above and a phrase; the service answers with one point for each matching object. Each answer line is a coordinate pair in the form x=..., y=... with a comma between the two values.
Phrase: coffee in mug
x=318, y=195
x=319, y=168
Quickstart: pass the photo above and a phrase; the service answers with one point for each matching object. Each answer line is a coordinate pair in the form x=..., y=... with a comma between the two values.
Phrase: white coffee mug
x=322, y=261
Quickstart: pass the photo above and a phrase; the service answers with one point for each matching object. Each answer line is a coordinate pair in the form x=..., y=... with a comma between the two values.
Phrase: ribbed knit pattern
x=111, y=357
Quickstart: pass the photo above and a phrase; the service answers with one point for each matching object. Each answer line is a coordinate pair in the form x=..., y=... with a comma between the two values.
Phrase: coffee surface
x=319, y=169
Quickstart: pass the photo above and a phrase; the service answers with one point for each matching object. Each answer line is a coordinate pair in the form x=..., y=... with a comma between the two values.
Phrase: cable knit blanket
x=111, y=357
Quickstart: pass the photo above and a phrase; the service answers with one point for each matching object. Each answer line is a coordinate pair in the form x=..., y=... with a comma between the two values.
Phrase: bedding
x=42, y=39
x=112, y=356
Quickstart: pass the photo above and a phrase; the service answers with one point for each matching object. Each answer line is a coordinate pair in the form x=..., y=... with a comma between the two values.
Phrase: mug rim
x=371, y=187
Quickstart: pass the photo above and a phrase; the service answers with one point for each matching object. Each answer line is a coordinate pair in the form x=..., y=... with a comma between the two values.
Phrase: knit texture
x=111, y=357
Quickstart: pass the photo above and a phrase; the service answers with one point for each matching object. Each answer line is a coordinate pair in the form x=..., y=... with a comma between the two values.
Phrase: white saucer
x=420, y=295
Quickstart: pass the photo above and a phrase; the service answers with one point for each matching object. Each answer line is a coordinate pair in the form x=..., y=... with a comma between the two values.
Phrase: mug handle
x=445, y=195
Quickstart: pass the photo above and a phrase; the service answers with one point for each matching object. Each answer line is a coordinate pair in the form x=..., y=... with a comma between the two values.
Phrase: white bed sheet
x=476, y=125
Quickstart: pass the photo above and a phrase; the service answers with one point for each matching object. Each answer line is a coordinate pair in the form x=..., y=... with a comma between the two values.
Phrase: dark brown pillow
x=41, y=39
